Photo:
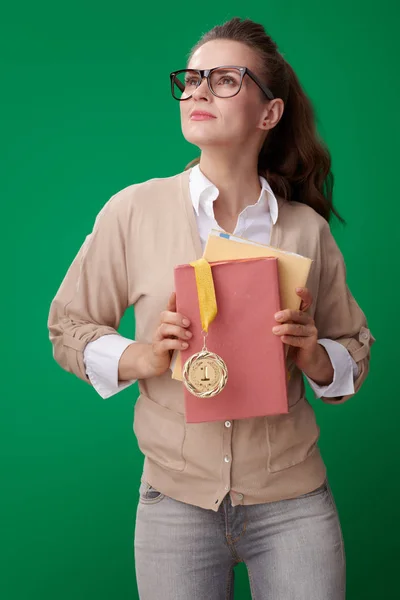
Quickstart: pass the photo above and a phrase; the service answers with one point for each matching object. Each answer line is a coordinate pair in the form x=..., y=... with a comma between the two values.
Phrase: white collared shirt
x=102, y=356
x=254, y=221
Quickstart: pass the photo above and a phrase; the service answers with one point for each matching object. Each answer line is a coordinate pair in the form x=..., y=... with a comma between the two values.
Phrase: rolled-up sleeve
x=337, y=315
x=345, y=371
x=102, y=358
x=94, y=293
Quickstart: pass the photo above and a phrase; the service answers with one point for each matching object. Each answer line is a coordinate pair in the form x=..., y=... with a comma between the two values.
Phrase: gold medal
x=205, y=374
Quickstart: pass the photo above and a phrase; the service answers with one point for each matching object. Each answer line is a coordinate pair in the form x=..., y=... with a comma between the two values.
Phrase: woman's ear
x=273, y=115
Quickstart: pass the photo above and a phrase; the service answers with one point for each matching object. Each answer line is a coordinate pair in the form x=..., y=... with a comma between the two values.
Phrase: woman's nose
x=202, y=90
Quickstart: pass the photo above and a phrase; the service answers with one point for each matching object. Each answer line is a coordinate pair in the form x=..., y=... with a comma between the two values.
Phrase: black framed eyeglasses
x=223, y=82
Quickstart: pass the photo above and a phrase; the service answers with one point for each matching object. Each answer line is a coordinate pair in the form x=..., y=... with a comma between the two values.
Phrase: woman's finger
x=294, y=316
x=296, y=342
x=167, y=330
x=295, y=329
x=168, y=345
x=174, y=318
x=171, y=306
x=169, y=315
x=306, y=298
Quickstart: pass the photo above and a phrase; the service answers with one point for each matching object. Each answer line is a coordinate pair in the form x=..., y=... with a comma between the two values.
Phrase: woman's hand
x=171, y=334
x=141, y=360
x=298, y=330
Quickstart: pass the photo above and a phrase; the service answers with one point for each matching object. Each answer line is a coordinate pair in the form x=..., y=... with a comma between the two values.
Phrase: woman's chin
x=201, y=139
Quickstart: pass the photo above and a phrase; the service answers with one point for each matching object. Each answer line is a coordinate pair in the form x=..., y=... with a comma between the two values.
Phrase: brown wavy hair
x=294, y=159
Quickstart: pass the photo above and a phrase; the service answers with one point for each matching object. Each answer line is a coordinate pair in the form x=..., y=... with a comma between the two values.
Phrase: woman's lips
x=201, y=117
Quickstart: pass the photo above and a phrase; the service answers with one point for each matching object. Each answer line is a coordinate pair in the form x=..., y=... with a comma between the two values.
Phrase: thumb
x=171, y=306
x=306, y=298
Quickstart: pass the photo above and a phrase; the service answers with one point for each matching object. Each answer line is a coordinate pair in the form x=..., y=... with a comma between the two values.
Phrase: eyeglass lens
x=224, y=82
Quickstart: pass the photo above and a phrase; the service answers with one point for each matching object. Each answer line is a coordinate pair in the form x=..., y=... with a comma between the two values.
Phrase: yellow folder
x=293, y=271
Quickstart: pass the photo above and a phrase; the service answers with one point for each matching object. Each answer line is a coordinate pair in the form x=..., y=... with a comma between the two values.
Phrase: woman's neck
x=238, y=184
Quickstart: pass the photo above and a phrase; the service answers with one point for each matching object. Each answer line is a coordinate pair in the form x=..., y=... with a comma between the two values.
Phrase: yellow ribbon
x=205, y=292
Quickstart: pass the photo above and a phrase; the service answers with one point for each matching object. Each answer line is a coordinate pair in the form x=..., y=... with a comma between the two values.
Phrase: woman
x=254, y=490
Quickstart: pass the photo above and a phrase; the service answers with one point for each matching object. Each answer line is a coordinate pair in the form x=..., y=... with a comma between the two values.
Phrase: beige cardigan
x=138, y=237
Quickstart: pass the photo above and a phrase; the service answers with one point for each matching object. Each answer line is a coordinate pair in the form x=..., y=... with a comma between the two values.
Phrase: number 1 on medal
x=205, y=378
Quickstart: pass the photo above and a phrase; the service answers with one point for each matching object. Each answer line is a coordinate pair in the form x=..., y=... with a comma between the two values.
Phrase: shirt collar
x=204, y=193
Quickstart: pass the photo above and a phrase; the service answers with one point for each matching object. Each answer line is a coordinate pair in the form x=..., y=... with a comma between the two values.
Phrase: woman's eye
x=228, y=80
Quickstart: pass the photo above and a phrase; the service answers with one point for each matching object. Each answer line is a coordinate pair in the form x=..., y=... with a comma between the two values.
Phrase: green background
x=80, y=122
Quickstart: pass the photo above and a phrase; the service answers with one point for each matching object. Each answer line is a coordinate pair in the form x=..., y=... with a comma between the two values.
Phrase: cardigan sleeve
x=337, y=315
x=94, y=293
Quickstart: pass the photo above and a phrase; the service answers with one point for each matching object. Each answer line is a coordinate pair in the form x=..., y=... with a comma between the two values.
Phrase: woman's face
x=237, y=119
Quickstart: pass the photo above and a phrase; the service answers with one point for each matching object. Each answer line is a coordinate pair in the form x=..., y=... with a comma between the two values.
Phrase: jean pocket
x=148, y=494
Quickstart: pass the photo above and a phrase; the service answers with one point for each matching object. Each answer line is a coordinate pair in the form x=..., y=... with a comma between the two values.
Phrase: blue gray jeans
x=293, y=549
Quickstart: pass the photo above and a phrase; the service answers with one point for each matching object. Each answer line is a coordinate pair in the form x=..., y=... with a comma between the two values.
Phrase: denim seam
x=240, y=534
x=229, y=584
x=152, y=500
x=233, y=552
x=342, y=550
x=250, y=580
x=228, y=535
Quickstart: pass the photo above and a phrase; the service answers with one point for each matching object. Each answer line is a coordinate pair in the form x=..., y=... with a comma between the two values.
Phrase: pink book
x=247, y=294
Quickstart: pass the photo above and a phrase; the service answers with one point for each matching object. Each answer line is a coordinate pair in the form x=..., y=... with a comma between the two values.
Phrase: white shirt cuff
x=345, y=372
x=101, y=358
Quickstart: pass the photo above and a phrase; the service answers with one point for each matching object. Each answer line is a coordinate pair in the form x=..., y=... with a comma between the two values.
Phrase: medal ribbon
x=205, y=292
